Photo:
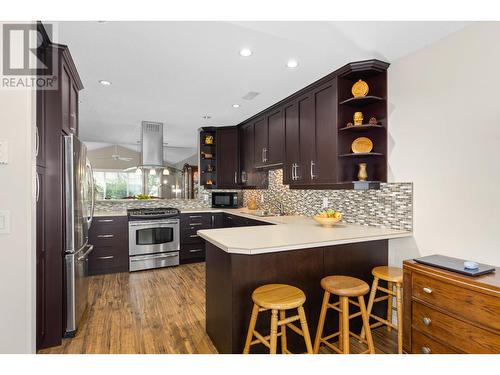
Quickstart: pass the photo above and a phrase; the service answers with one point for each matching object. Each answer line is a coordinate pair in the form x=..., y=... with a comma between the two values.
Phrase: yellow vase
x=362, y=174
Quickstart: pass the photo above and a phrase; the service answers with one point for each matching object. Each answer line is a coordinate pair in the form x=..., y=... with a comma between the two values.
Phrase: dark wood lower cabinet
x=231, y=279
x=109, y=235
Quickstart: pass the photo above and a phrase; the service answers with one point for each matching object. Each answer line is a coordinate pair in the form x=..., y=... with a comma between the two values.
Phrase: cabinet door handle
x=426, y=320
x=293, y=171
x=195, y=250
x=37, y=141
x=243, y=176
x=195, y=217
x=108, y=257
x=265, y=154
x=193, y=235
x=37, y=193
x=427, y=290
x=105, y=235
x=426, y=350
x=313, y=164
x=235, y=177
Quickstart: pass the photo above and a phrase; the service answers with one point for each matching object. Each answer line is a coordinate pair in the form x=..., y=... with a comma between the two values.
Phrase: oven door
x=153, y=237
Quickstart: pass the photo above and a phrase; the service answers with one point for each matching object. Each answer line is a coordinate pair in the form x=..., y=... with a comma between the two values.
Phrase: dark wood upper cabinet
x=324, y=168
x=307, y=139
x=292, y=143
x=247, y=153
x=275, y=138
x=227, y=158
x=260, y=141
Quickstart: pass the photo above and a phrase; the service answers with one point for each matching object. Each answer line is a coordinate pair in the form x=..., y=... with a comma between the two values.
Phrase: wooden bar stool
x=278, y=298
x=393, y=276
x=344, y=287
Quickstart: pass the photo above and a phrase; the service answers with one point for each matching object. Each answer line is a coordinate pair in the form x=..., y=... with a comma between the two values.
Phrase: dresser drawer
x=108, y=259
x=105, y=238
x=422, y=344
x=473, y=306
x=456, y=333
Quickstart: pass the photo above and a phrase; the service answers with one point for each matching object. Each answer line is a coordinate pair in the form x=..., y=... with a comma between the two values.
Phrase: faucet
x=281, y=208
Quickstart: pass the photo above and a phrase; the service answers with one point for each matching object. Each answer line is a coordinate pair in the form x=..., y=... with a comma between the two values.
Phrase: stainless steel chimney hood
x=151, y=145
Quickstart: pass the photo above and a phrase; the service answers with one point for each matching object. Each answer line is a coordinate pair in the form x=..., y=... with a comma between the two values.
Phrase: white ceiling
x=176, y=72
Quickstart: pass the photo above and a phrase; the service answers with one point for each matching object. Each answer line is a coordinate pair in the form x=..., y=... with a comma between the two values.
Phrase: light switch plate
x=4, y=222
x=4, y=152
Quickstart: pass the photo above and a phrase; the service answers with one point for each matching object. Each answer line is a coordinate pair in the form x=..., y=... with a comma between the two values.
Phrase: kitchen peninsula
x=296, y=251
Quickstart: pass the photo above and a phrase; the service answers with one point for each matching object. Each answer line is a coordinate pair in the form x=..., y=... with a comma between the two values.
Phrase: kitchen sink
x=262, y=213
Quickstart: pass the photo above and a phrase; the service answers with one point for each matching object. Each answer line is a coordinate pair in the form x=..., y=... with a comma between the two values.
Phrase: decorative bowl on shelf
x=326, y=222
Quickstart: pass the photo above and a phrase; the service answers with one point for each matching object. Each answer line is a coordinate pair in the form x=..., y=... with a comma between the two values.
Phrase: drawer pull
x=195, y=250
x=105, y=220
x=426, y=320
x=108, y=257
x=105, y=235
x=193, y=235
x=195, y=217
x=427, y=290
x=426, y=350
x=193, y=224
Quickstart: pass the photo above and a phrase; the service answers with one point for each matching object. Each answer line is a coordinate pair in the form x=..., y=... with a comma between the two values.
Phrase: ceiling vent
x=250, y=95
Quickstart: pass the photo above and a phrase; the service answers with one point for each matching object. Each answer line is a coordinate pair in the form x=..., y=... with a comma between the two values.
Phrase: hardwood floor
x=157, y=311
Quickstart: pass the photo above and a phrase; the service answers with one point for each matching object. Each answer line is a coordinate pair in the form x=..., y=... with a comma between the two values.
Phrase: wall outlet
x=4, y=152
x=325, y=202
x=4, y=222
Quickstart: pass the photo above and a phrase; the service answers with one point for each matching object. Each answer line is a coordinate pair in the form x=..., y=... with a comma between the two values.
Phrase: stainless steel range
x=154, y=238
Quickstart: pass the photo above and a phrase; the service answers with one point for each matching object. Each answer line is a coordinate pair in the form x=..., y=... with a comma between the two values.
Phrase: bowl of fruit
x=328, y=218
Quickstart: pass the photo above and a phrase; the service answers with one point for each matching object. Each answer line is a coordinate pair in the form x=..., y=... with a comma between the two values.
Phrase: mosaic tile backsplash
x=389, y=207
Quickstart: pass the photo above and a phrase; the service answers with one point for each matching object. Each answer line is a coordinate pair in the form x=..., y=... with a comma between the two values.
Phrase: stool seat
x=391, y=274
x=344, y=286
x=278, y=297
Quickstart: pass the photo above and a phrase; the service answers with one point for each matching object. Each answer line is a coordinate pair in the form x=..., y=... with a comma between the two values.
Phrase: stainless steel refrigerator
x=79, y=210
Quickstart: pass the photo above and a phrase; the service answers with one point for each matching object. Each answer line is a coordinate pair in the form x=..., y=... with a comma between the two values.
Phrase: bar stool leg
x=305, y=329
x=390, y=287
x=344, y=303
x=251, y=327
x=283, y=332
x=373, y=292
x=366, y=324
x=399, y=308
x=321, y=322
x=274, y=330
x=340, y=330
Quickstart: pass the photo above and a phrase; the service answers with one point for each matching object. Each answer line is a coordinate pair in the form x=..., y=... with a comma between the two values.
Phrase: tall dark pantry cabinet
x=56, y=116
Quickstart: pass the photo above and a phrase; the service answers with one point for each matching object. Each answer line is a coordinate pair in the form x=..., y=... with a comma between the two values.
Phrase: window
x=117, y=184
x=154, y=185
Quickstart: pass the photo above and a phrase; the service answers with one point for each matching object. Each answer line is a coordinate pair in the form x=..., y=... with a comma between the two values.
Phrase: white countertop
x=291, y=233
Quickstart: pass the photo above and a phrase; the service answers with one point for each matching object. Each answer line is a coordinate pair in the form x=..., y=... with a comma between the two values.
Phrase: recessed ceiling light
x=104, y=82
x=245, y=52
x=236, y=106
x=292, y=64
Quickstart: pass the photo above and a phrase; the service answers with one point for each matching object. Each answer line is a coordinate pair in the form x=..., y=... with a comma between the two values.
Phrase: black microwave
x=226, y=200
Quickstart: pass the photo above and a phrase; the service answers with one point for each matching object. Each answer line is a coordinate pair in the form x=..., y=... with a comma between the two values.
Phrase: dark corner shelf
x=360, y=128
x=360, y=154
x=362, y=101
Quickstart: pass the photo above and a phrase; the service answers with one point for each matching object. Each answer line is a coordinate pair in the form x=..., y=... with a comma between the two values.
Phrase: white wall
x=444, y=127
x=17, y=249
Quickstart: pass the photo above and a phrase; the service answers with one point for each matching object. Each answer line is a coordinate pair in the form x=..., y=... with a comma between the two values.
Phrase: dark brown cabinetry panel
x=227, y=158
x=260, y=141
x=53, y=111
x=275, y=142
x=307, y=139
x=109, y=235
x=292, y=143
x=324, y=169
x=250, y=177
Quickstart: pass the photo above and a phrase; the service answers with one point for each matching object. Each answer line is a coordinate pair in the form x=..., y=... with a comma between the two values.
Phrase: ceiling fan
x=116, y=156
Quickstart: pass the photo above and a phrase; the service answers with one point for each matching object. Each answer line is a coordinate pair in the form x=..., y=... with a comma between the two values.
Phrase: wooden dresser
x=445, y=312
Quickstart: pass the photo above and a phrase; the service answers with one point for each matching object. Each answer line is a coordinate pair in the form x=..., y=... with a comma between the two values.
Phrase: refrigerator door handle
x=92, y=193
x=91, y=247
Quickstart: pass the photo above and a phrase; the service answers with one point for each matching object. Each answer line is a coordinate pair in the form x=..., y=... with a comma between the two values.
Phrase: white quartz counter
x=291, y=233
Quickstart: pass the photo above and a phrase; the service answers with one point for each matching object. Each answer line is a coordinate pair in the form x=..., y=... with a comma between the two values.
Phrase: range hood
x=151, y=145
